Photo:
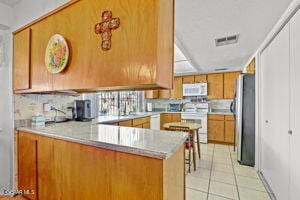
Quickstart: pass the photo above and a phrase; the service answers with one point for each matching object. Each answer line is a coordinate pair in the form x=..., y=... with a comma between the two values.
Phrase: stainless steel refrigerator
x=243, y=108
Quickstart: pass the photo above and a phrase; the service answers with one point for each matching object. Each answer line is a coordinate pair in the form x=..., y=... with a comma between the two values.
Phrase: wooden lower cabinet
x=169, y=117
x=143, y=122
x=58, y=169
x=127, y=123
x=216, y=131
x=27, y=162
x=221, y=129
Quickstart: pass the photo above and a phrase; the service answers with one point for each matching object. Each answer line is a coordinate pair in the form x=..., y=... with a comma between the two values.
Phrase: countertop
x=144, y=142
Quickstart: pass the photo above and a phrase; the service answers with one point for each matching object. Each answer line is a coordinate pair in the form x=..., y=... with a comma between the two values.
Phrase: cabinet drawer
x=127, y=123
x=140, y=121
x=229, y=117
x=216, y=117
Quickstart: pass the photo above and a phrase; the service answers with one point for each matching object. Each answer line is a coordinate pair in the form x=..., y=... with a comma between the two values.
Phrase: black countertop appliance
x=83, y=110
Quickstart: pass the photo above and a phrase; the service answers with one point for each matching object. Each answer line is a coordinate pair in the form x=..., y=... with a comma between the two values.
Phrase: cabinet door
x=229, y=132
x=151, y=94
x=216, y=130
x=188, y=79
x=176, y=92
x=201, y=78
x=176, y=117
x=229, y=84
x=21, y=60
x=127, y=123
x=27, y=164
x=165, y=118
x=164, y=94
x=295, y=107
x=215, y=86
x=146, y=125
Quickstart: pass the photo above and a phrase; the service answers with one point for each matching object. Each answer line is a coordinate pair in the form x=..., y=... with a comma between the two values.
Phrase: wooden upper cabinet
x=164, y=94
x=151, y=94
x=202, y=78
x=229, y=84
x=21, y=61
x=188, y=79
x=215, y=86
x=141, y=54
x=176, y=92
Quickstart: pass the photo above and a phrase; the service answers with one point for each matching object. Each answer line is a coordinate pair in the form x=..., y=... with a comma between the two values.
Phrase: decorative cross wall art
x=105, y=27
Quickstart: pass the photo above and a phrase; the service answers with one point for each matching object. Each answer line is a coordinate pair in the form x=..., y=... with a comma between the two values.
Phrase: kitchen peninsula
x=113, y=162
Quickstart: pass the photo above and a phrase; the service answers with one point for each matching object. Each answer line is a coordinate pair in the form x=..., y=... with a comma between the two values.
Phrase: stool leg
x=194, y=157
x=198, y=144
x=190, y=158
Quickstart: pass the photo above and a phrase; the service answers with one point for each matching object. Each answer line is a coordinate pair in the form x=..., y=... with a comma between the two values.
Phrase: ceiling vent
x=227, y=40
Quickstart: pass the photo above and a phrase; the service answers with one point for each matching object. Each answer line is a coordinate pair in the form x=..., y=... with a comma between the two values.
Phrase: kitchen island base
x=57, y=169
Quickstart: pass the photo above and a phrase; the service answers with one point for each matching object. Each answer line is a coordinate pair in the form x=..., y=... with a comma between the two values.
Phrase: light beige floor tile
x=223, y=177
x=223, y=189
x=247, y=194
x=222, y=168
x=201, y=173
x=195, y=195
x=197, y=183
x=204, y=164
x=215, y=197
x=245, y=171
x=251, y=183
x=235, y=162
x=222, y=161
x=221, y=146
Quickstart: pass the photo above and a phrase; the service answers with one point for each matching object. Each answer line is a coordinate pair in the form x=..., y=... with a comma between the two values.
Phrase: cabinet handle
x=267, y=121
x=290, y=132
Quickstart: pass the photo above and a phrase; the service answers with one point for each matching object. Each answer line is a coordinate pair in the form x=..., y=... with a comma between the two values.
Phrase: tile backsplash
x=220, y=104
x=162, y=104
x=25, y=106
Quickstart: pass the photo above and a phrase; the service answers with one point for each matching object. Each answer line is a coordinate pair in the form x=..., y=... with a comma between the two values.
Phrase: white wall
x=6, y=112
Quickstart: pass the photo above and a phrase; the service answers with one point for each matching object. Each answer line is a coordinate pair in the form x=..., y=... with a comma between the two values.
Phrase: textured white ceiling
x=10, y=3
x=199, y=22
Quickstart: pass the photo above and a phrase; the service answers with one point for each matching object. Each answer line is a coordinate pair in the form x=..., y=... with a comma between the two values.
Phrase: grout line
x=221, y=196
x=210, y=172
x=237, y=188
x=197, y=190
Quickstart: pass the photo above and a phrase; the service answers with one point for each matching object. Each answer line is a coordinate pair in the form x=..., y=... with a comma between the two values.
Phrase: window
x=120, y=103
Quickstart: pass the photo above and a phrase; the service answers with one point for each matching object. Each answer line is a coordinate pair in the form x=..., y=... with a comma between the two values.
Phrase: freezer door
x=239, y=115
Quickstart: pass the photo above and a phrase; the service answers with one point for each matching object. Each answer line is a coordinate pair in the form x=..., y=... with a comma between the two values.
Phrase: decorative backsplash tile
x=32, y=104
x=220, y=104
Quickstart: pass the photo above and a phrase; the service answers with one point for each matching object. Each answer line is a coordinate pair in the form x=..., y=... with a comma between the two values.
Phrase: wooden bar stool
x=197, y=135
x=189, y=144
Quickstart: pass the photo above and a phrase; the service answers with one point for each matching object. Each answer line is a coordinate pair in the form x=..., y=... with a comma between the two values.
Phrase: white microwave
x=196, y=89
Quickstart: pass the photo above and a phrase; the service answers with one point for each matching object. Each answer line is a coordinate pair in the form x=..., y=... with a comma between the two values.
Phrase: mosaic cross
x=105, y=27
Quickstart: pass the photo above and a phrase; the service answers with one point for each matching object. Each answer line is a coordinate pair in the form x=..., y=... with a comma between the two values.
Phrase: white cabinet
x=280, y=112
x=295, y=106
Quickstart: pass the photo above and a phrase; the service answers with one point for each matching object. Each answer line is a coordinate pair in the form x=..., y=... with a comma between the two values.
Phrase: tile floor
x=220, y=177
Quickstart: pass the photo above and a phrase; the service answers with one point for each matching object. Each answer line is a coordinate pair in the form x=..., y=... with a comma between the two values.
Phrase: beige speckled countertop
x=144, y=142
